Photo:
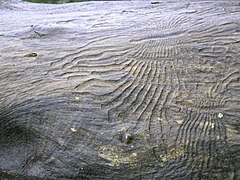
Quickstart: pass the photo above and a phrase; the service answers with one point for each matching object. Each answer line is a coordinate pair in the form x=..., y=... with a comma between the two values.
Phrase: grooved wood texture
x=111, y=90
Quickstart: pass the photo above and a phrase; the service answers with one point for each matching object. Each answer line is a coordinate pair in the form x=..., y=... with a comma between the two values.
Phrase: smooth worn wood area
x=120, y=90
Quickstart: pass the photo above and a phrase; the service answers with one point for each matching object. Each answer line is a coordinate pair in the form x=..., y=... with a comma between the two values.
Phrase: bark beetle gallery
x=120, y=90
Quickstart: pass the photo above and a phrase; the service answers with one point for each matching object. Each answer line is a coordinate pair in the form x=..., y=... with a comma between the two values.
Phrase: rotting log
x=120, y=90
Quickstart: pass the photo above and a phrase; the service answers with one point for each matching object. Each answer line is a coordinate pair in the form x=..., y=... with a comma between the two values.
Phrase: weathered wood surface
x=120, y=90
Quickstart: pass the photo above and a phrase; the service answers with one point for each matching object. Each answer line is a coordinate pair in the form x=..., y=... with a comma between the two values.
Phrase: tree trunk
x=120, y=90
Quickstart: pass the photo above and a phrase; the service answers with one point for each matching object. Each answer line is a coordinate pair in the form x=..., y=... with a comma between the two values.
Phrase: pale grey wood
x=120, y=90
